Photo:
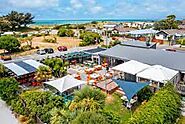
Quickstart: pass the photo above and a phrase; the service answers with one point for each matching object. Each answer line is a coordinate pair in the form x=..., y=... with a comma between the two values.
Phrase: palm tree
x=43, y=73
x=88, y=99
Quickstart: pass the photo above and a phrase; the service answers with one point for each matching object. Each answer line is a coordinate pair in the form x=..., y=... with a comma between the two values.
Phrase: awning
x=158, y=73
x=65, y=83
x=131, y=67
x=130, y=88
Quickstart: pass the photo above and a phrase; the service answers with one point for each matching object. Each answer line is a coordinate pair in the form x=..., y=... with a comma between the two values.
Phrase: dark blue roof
x=26, y=66
x=130, y=88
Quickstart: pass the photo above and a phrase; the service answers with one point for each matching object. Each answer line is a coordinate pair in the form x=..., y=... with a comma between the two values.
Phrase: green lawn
x=116, y=107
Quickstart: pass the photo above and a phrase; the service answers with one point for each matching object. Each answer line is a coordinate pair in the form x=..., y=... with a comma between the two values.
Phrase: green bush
x=90, y=118
x=8, y=89
x=40, y=104
x=9, y=43
x=50, y=40
x=89, y=38
x=63, y=32
x=181, y=41
x=162, y=108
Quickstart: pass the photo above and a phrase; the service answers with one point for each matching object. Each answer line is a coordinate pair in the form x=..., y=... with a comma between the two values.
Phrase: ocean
x=60, y=22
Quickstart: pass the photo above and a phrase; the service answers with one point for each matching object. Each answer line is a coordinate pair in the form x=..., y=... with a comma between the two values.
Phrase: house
x=142, y=32
x=173, y=33
x=95, y=30
x=53, y=32
x=139, y=44
x=121, y=30
x=109, y=26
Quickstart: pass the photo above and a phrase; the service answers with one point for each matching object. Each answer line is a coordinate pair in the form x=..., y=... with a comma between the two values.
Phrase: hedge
x=162, y=108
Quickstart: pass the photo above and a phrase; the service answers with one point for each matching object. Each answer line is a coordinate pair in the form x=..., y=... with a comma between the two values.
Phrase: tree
x=28, y=19
x=15, y=20
x=89, y=38
x=9, y=43
x=90, y=118
x=40, y=103
x=88, y=99
x=162, y=108
x=61, y=116
x=144, y=94
x=43, y=73
x=65, y=32
x=8, y=89
x=58, y=66
x=168, y=23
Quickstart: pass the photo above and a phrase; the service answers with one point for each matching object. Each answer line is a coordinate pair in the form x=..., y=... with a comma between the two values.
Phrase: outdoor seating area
x=95, y=75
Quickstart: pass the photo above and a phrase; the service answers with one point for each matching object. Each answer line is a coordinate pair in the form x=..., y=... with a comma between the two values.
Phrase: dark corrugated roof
x=95, y=50
x=173, y=60
x=136, y=43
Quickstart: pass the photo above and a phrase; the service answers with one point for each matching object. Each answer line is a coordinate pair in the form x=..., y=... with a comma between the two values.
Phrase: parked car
x=41, y=52
x=6, y=57
x=62, y=48
x=173, y=50
x=49, y=50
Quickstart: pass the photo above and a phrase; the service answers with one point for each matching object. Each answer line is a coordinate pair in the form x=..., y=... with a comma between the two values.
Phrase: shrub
x=181, y=41
x=162, y=108
x=8, y=89
x=9, y=43
x=90, y=118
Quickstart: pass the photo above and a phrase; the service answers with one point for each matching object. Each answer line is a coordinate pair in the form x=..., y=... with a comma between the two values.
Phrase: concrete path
x=6, y=117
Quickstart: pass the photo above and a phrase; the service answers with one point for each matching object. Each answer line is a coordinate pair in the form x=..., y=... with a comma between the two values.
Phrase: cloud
x=96, y=9
x=121, y=9
x=76, y=4
x=33, y=3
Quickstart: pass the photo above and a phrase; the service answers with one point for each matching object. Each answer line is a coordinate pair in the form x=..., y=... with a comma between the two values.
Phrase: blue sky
x=98, y=9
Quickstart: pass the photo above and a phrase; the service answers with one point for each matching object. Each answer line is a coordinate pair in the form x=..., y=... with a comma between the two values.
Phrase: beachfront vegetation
x=43, y=73
x=162, y=108
x=169, y=23
x=64, y=32
x=15, y=20
x=89, y=38
x=9, y=43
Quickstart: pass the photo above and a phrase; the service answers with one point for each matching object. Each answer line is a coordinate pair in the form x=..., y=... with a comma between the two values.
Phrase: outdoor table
x=108, y=75
x=89, y=71
x=98, y=67
x=91, y=82
x=94, y=76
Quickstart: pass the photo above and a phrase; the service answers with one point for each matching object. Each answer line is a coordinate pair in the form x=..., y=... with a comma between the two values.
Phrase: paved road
x=6, y=116
x=56, y=53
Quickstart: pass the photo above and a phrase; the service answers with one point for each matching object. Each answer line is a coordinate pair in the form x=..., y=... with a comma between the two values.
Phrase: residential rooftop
x=173, y=60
